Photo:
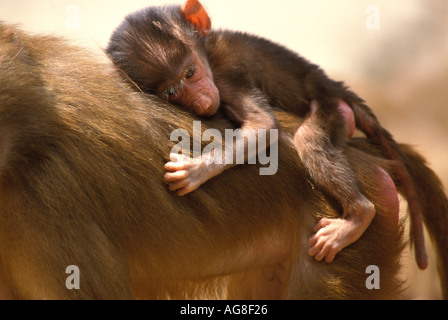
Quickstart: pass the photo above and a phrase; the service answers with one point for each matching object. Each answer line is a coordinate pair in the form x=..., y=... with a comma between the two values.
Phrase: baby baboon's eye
x=190, y=72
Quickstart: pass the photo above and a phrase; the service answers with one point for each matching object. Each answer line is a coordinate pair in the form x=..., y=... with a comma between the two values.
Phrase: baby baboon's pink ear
x=196, y=14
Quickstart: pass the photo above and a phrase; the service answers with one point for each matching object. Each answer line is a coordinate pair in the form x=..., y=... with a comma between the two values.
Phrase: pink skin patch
x=349, y=117
x=386, y=195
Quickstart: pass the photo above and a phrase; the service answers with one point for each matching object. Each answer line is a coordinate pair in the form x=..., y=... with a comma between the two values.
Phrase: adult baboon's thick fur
x=81, y=183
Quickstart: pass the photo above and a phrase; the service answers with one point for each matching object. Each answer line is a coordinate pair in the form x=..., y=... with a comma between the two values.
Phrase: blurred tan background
x=394, y=54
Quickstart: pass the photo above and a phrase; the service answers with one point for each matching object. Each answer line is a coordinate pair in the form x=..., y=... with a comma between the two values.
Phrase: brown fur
x=81, y=182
